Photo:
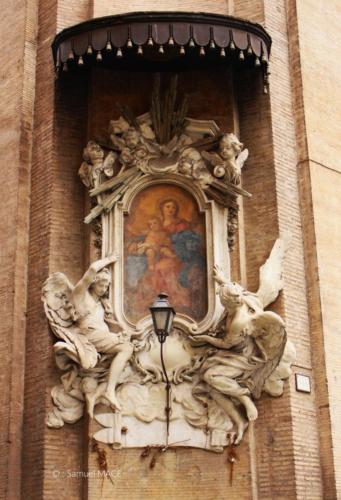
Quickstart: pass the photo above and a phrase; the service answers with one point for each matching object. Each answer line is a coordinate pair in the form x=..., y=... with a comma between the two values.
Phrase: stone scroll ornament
x=111, y=369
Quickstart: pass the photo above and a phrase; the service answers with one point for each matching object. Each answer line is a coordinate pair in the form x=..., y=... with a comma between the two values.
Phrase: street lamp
x=163, y=314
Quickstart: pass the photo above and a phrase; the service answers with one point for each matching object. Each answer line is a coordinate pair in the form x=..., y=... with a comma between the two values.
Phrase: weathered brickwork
x=56, y=243
x=293, y=134
x=18, y=43
x=316, y=82
x=110, y=7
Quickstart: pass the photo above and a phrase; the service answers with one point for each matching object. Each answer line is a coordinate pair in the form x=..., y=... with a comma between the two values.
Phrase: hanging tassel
x=89, y=50
x=257, y=61
x=241, y=56
x=161, y=51
x=119, y=52
x=139, y=50
x=171, y=41
x=191, y=43
x=202, y=51
x=182, y=50
x=150, y=42
x=71, y=55
x=249, y=51
x=129, y=43
x=108, y=46
x=80, y=61
x=99, y=56
x=232, y=45
x=222, y=52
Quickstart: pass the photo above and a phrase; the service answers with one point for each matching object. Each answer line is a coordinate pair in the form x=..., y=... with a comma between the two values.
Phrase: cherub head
x=131, y=137
x=230, y=146
x=141, y=152
x=187, y=161
x=126, y=157
x=154, y=224
x=118, y=126
x=93, y=152
x=101, y=283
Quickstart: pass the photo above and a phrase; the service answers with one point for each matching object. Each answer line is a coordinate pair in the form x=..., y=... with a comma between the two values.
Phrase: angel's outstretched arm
x=229, y=341
x=88, y=278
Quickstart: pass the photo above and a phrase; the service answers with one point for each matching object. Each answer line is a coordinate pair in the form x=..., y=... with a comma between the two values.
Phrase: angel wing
x=108, y=164
x=270, y=283
x=270, y=337
x=84, y=173
x=241, y=158
x=61, y=314
x=56, y=295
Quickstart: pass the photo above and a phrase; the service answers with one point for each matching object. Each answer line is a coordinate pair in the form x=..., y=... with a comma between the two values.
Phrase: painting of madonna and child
x=165, y=251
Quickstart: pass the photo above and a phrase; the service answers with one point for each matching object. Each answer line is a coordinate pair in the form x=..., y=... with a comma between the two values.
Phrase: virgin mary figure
x=165, y=257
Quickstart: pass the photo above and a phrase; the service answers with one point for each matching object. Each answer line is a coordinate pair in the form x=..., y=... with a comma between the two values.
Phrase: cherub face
x=126, y=156
x=94, y=152
x=229, y=146
x=100, y=287
x=154, y=224
x=185, y=166
x=225, y=152
x=141, y=152
x=132, y=139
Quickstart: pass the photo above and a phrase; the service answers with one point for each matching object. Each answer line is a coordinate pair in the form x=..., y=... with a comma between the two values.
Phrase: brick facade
x=293, y=134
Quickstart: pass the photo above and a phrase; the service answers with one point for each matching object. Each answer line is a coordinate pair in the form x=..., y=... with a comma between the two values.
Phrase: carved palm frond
x=168, y=119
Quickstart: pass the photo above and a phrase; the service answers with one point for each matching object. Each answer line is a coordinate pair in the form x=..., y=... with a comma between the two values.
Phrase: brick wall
x=109, y=7
x=56, y=243
x=294, y=450
x=18, y=45
x=314, y=45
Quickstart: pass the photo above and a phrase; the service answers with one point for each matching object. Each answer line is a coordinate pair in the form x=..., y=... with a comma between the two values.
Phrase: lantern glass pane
x=170, y=321
x=161, y=318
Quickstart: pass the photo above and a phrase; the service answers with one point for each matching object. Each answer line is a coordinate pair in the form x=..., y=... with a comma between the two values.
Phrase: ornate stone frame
x=218, y=366
x=217, y=251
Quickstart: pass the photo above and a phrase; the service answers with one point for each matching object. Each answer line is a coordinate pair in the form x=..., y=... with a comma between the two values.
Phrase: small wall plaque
x=302, y=383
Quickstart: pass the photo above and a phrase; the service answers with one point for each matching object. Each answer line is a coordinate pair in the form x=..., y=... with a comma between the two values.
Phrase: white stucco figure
x=229, y=160
x=250, y=345
x=80, y=316
x=95, y=164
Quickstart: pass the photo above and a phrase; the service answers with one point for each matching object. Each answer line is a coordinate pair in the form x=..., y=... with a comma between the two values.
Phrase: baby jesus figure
x=157, y=243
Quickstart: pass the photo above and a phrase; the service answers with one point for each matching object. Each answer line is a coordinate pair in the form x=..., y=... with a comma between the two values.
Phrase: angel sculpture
x=94, y=164
x=250, y=345
x=123, y=136
x=192, y=165
x=80, y=316
x=230, y=159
